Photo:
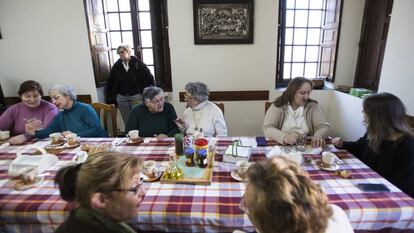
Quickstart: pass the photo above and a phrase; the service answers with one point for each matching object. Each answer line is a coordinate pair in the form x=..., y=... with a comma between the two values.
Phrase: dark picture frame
x=223, y=21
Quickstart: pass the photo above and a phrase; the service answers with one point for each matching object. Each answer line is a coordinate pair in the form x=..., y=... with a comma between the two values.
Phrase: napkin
x=295, y=156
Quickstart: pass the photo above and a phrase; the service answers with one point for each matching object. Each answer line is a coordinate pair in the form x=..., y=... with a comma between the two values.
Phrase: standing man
x=128, y=77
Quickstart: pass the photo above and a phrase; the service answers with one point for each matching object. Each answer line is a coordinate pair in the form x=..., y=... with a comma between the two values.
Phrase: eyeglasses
x=157, y=101
x=132, y=190
x=242, y=206
x=56, y=97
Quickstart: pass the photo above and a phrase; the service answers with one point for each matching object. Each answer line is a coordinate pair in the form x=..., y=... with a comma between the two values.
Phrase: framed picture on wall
x=223, y=21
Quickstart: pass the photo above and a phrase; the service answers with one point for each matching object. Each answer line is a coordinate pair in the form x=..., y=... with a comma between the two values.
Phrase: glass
x=298, y=54
x=302, y=4
x=112, y=5
x=125, y=21
x=301, y=142
x=148, y=56
x=143, y=5
x=301, y=18
x=289, y=18
x=145, y=20
x=315, y=18
x=133, y=190
x=312, y=53
x=115, y=39
x=300, y=36
x=113, y=21
x=127, y=38
x=315, y=4
x=310, y=70
x=297, y=69
x=288, y=36
x=124, y=5
x=286, y=70
x=313, y=36
x=288, y=54
x=146, y=38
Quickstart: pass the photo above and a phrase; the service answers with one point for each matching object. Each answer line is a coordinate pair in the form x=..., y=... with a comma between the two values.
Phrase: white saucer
x=158, y=174
x=66, y=145
x=235, y=175
x=129, y=141
x=19, y=185
x=332, y=168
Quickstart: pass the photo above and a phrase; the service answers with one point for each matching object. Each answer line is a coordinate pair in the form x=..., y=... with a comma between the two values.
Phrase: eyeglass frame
x=133, y=190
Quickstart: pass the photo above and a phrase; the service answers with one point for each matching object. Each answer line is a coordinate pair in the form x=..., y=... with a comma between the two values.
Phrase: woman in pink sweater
x=31, y=108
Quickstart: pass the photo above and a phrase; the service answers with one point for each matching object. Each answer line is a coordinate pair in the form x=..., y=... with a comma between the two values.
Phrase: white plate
x=129, y=141
x=332, y=168
x=19, y=185
x=235, y=175
x=66, y=145
x=158, y=174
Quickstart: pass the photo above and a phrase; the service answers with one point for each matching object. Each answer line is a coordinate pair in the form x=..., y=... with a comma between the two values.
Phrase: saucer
x=137, y=141
x=20, y=185
x=332, y=168
x=61, y=143
x=156, y=176
x=66, y=145
x=235, y=175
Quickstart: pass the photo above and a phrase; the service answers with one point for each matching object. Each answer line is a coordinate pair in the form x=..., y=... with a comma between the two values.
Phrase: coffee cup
x=149, y=167
x=55, y=137
x=4, y=134
x=242, y=167
x=301, y=142
x=28, y=174
x=328, y=158
x=71, y=139
x=133, y=134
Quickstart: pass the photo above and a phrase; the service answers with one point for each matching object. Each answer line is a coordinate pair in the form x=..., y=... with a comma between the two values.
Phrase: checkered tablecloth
x=197, y=208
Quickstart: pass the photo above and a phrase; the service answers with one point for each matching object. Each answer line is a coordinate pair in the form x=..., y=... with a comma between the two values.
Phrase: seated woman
x=388, y=145
x=202, y=116
x=294, y=113
x=31, y=108
x=107, y=189
x=154, y=117
x=280, y=197
x=76, y=117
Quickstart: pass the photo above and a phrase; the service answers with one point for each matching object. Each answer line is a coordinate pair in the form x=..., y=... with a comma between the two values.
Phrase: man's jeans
x=126, y=103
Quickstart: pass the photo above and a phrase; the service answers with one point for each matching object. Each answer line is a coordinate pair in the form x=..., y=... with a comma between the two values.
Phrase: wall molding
x=234, y=95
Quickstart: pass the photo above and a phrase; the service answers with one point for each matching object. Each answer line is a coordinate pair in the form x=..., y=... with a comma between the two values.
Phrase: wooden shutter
x=99, y=40
x=330, y=35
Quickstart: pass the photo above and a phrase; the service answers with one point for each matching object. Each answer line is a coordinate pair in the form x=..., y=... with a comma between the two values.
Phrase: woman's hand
x=17, y=140
x=337, y=142
x=317, y=141
x=180, y=124
x=160, y=136
x=290, y=139
x=32, y=126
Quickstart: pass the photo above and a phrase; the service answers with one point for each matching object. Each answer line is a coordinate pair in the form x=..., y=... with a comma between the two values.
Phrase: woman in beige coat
x=294, y=113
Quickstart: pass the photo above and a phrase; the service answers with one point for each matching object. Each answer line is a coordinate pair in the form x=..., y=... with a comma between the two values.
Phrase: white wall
x=397, y=71
x=47, y=41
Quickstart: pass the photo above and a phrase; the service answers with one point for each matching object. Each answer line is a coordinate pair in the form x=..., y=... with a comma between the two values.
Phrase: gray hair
x=64, y=90
x=125, y=47
x=150, y=92
x=198, y=90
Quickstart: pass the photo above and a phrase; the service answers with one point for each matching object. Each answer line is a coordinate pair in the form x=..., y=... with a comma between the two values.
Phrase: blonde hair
x=102, y=171
x=285, y=199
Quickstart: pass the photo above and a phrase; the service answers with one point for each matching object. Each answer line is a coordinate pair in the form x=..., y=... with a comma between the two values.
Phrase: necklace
x=195, y=120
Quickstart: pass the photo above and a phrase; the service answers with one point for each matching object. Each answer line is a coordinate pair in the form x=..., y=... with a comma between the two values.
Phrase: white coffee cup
x=55, y=137
x=133, y=134
x=71, y=139
x=28, y=174
x=328, y=158
x=242, y=167
x=149, y=167
x=4, y=134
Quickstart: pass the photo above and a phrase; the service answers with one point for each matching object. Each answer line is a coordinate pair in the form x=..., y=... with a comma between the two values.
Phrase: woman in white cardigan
x=201, y=116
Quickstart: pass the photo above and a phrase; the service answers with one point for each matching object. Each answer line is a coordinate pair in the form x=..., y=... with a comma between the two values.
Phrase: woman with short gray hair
x=74, y=117
x=154, y=117
x=201, y=116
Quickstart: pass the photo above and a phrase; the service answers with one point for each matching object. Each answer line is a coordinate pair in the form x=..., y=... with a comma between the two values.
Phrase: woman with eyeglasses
x=201, y=115
x=74, y=117
x=30, y=109
x=280, y=197
x=154, y=117
x=107, y=190
x=294, y=113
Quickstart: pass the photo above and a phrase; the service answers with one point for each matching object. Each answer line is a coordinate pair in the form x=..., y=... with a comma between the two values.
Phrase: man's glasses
x=132, y=190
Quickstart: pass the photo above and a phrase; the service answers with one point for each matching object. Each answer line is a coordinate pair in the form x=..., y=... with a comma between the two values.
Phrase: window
x=307, y=39
x=142, y=24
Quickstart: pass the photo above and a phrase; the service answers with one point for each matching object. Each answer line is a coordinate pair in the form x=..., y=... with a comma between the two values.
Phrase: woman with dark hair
x=388, y=145
x=32, y=108
x=154, y=117
x=107, y=189
x=75, y=117
x=294, y=113
x=280, y=197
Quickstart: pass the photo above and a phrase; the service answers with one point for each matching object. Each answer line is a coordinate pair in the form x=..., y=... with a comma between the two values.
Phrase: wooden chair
x=221, y=106
x=267, y=105
x=105, y=110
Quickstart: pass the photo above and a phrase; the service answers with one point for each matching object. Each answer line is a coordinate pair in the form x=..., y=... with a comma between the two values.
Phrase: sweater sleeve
x=50, y=114
x=320, y=123
x=7, y=119
x=404, y=174
x=219, y=122
x=172, y=115
x=270, y=125
x=91, y=119
x=132, y=121
x=356, y=148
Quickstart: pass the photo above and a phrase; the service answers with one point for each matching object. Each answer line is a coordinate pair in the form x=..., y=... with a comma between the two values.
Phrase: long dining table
x=199, y=208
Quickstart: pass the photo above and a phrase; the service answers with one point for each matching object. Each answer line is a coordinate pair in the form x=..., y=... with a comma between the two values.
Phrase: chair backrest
x=107, y=111
x=221, y=106
x=267, y=105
